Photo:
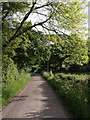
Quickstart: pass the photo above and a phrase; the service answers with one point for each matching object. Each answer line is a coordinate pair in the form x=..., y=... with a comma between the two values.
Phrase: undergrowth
x=12, y=80
x=73, y=91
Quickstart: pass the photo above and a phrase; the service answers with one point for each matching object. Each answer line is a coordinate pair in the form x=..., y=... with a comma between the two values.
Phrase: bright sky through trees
x=89, y=19
x=34, y=17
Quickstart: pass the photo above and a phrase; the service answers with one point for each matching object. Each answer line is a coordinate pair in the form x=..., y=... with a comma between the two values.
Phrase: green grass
x=74, y=94
x=10, y=89
x=13, y=80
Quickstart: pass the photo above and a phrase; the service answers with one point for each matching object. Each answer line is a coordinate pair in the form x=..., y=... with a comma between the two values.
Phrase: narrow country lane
x=36, y=100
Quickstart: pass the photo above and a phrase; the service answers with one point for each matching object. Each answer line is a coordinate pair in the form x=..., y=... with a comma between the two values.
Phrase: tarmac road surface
x=36, y=100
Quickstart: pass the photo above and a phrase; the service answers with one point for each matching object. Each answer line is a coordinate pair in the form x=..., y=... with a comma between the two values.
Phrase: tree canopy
x=62, y=40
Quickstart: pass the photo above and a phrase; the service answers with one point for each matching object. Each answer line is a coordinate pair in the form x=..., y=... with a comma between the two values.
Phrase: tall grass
x=12, y=80
x=13, y=87
x=73, y=91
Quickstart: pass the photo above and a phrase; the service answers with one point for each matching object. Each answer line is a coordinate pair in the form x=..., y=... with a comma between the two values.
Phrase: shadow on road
x=51, y=108
x=32, y=74
x=19, y=98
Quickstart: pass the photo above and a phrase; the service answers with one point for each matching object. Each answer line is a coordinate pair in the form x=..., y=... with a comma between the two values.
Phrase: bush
x=48, y=76
x=65, y=77
x=9, y=71
x=13, y=80
x=61, y=75
x=75, y=96
x=45, y=75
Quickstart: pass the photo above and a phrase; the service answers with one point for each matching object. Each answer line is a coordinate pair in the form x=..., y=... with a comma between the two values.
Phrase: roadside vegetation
x=73, y=89
x=13, y=80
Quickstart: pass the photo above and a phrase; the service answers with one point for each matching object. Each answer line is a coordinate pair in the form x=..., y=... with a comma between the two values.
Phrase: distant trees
x=33, y=51
x=66, y=51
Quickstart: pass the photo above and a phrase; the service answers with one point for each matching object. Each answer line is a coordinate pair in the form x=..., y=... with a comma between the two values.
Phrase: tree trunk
x=48, y=66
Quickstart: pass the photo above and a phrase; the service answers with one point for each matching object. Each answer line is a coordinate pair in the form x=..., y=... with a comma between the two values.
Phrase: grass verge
x=10, y=89
x=73, y=91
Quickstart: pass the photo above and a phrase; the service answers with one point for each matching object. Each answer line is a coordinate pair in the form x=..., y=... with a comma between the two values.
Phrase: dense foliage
x=73, y=90
x=28, y=47
x=13, y=80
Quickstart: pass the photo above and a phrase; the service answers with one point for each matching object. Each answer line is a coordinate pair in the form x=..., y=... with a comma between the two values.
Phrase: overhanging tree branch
x=49, y=3
x=57, y=32
x=53, y=30
x=29, y=28
x=21, y=24
x=5, y=15
x=40, y=14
